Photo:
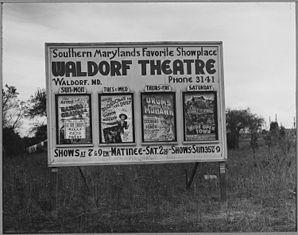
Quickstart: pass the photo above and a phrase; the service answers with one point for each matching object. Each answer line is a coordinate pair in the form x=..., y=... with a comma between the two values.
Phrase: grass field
x=152, y=198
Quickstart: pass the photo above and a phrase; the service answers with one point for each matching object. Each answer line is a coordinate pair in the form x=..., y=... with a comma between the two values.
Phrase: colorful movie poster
x=200, y=119
x=158, y=117
x=116, y=118
x=73, y=119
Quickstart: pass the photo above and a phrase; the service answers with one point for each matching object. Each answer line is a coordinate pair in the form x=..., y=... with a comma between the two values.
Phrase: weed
x=152, y=198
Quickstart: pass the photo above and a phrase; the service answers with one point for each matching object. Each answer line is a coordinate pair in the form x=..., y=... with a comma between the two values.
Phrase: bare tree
x=37, y=105
x=37, y=111
x=13, y=110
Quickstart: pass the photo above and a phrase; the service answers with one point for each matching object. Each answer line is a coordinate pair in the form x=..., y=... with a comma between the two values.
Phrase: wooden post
x=222, y=181
x=54, y=189
x=84, y=179
x=189, y=181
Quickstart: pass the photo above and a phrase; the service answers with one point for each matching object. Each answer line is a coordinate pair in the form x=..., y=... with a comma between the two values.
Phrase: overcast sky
x=258, y=41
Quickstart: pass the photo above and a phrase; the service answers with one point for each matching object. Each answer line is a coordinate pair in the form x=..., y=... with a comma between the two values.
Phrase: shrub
x=12, y=142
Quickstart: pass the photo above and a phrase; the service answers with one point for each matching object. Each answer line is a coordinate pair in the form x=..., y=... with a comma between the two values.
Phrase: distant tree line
x=242, y=120
x=248, y=123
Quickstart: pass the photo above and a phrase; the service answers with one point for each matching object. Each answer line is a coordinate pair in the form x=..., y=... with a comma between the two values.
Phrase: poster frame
x=57, y=121
x=184, y=93
x=101, y=143
x=175, y=117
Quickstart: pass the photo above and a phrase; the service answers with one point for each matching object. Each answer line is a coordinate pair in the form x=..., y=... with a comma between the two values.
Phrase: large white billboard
x=134, y=103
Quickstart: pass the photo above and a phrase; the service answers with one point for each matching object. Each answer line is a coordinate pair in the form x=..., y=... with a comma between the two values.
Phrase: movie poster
x=200, y=119
x=73, y=119
x=116, y=118
x=158, y=117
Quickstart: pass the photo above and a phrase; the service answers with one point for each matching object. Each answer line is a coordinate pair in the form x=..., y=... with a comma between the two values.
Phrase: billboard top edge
x=157, y=43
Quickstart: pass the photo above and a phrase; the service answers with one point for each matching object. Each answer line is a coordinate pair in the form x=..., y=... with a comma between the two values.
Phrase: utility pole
x=275, y=117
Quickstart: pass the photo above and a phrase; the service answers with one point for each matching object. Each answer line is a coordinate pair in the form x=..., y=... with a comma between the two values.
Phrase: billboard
x=135, y=103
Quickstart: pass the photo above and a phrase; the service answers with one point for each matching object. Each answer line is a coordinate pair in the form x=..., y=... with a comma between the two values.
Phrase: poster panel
x=73, y=119
x=116, y=118
x=200, y=116
x=158, y=117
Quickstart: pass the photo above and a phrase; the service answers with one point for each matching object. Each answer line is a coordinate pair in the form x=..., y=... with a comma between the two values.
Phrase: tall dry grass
x=152, y=198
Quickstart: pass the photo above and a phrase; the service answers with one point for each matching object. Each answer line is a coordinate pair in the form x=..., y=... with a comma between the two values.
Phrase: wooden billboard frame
x=220, y=112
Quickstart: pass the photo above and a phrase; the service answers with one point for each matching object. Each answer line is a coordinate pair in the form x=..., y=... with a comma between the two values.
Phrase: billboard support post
x=54, y=190
x=84, y=179
x=222, y=181
x=189, y=181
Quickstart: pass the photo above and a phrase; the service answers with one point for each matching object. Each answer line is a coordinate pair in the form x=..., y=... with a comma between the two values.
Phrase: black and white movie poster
x=73, y=119
x=200, y=119
x=158, y=117
x=116, y=118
